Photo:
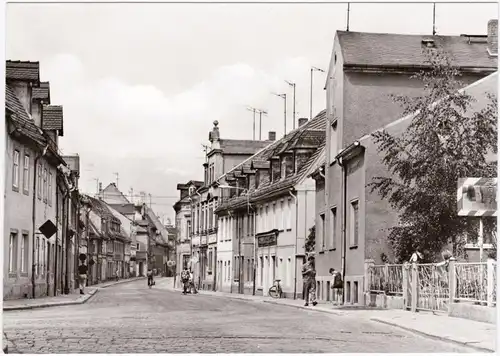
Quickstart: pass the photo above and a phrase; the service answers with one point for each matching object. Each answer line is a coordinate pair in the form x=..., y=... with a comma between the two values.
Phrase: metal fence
x=476, y=282
x=386, y=278
x=433, y=287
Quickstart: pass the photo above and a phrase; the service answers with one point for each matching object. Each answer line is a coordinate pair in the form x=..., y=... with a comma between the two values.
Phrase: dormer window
x=428, y=43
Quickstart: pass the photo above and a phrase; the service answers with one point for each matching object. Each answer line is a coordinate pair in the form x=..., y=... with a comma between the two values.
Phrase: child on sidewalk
x=337, y=286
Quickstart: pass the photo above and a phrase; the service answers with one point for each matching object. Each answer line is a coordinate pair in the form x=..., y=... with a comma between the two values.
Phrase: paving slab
x=473, y=334
x=61, y=300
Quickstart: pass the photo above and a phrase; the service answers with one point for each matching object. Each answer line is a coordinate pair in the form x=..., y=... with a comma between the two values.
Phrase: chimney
x=100, y=187
x=272, y=136
x=302, y=121
x=493, y=37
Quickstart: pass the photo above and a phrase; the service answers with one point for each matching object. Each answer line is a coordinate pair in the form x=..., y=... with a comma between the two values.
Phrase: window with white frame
x=333, y=141
x=354, y=223
x=39, y=180
x=24, y=253
x=333, y=227
x=37, y=255
x=322, y=232
x=45, y=184
x=13, y=252
x=50, y=189
x=266, y=220
x=26, y=174
x=15, y=169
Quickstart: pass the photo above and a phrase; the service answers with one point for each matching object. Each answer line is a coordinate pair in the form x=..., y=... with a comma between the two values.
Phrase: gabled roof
x=153, y=219
x=42, y=92
x=23, y=70
x=397, y=50
x=302, y=137
x=53, y=118
x=112, y=195
x=21, y=119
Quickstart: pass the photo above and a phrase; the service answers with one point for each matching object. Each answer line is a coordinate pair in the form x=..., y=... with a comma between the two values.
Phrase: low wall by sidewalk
x=473, y=312
x=459, y=310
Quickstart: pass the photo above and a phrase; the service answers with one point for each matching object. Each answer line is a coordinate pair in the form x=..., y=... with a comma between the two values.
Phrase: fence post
x=406, y=268
x=452, y=283
x=386, y=278
x=414, y=287
x=369, y=263
x=490, y=281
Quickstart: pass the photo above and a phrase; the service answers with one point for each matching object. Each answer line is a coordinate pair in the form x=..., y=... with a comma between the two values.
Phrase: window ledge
x=321, y=252
x=289, y=229
x=16, y=189
x=24, y=274
x=353, y=247
x=26, y=192
x=12, y=275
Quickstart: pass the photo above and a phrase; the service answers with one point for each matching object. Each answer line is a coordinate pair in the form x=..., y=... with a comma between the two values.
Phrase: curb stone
x=80, y=300
x=440, y=338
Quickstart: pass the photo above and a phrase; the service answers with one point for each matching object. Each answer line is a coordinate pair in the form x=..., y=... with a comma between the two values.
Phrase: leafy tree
x=311, y=240
x=444, y=141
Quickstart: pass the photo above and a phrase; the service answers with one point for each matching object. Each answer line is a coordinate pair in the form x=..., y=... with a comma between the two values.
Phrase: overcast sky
x=141, y=84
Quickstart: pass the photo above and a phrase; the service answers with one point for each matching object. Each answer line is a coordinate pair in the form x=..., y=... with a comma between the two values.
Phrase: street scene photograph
x=238, y=177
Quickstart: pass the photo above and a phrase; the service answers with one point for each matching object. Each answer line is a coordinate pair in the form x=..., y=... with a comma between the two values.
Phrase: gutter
x=296, y=239
x=33, y=221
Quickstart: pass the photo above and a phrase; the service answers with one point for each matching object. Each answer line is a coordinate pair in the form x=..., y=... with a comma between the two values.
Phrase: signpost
x=477, y=197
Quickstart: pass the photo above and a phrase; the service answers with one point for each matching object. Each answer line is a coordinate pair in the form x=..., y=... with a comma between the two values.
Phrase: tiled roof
x=53, y=118
x=21, y=118
x=23, y=70
x=308, y=133
x=242, y=146
x=392, y=50
x=42, y=92
x=151, y=216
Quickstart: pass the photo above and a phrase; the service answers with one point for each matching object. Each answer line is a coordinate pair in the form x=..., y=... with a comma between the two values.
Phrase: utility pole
x=348, y=10
x=283, y=96
x=434, y=19
x=311, y=94
x=254, y=110
x=261, y=112
x=293, y=86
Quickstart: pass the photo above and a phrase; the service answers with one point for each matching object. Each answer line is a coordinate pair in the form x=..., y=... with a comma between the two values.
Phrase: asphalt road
x=130, y=318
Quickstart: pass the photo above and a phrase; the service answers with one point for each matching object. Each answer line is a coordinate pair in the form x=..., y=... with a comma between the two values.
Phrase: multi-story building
x=365, y=70
x=161, y=242
x=112, y=196
x=107, y=241
x=266, y=216
x=222, y=155
x=32, y=161
x=183, y=208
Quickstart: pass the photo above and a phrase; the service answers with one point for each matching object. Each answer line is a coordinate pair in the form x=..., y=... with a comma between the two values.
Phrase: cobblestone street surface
x=130, y=318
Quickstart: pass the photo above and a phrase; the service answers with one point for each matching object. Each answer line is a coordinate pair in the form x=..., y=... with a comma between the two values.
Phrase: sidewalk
x=476, y=335
x=63, y=299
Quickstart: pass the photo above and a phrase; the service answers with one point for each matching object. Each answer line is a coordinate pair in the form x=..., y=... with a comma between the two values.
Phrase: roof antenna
x=434, y=19
x=348, y=8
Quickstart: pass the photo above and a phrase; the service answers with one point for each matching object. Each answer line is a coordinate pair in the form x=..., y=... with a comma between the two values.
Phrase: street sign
x=48, y=229
x=477, y=197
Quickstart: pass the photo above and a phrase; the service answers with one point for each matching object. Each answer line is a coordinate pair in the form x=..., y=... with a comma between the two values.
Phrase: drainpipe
x=296, y=240
x=254, y=251
x=199, y=248
x=232, y=249
x=33, y=221
x=344, y=222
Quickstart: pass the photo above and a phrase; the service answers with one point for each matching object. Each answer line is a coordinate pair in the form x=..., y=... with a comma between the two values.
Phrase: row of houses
x=246, y=223
x=41, y=190
x=50, y=227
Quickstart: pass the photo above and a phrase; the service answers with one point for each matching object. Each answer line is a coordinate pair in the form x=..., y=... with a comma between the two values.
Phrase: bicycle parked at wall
x=275, y=291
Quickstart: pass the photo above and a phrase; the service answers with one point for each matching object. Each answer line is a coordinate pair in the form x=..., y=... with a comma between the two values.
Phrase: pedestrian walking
x=185, y=280
x=82, y=274
x=150, y=277
x=309, y=277
x=337, y=285
x=192, y=287
x=116, y=274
